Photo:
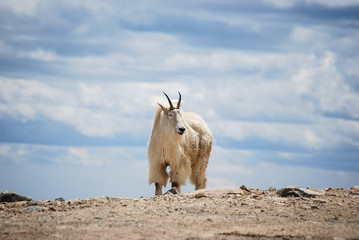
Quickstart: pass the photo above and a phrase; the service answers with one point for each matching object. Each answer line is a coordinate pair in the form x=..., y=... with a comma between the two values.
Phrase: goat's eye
x=170, y=114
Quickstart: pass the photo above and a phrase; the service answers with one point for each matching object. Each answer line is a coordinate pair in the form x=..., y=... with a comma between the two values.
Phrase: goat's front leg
x=158, y=189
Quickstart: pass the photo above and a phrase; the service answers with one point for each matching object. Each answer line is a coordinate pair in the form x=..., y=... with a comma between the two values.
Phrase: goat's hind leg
x=198, y=176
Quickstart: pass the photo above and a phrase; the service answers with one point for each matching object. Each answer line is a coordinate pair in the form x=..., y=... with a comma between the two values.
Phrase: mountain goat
x=182, y=141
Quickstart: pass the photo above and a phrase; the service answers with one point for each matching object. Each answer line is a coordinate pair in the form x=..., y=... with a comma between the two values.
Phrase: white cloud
x=26, y=7
x=93, y=95
x=281, y=4
x=301, y=34
x=289, y=90
x=99, y=109
x=253, y=107
x=340, y=39
x=42, y=55
x=334, y=3
x=350, y=66
x=298, y=135
x=114, y=166
x=224, y=61
x=82, y=156
x=281, y=175
x=320, y=81
x=219, y=182
x=255, y=170
x=69, y=155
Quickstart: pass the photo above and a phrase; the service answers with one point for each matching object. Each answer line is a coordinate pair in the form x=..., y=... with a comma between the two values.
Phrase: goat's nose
x=181, y=129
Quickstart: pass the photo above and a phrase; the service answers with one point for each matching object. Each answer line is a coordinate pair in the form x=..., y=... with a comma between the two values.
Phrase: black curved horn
x=179, y=100
x=169, y=100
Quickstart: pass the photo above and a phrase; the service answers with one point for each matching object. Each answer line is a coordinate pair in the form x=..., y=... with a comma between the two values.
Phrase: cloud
x=27, y=7
x=41, y=55
x=290, y=110
x=263, y=169
x=282, y=4
x=301, y=34
x=224, y=61
x=333, y=3
x=103, y=110
x=321, y=83
x=314, y=38
x=273, y=90
x=24, y=154
x=44, y=167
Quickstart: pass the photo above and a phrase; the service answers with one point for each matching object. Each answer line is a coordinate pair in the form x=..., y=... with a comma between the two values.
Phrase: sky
x=276, y=81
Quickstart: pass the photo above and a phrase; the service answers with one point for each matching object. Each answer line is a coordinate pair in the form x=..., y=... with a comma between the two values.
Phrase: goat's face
x=173, y=117
x=175, y=121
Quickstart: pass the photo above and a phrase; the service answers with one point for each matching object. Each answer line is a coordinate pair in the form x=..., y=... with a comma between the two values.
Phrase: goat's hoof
x=173, y=190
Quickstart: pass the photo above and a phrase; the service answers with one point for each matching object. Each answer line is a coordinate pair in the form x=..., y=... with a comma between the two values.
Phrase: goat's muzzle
x=181, y=130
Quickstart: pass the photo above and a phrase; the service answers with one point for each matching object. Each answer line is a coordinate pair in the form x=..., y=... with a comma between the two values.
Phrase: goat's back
x=197, y=123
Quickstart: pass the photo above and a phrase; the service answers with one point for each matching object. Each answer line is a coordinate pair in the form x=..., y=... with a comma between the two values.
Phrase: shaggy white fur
x=182, y=141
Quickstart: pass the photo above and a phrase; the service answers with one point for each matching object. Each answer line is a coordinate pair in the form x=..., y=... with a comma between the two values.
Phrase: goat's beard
x=178, y=137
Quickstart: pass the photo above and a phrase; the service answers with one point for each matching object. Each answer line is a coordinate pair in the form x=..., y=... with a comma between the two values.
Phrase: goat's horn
x=179, y=101
x=169, y=100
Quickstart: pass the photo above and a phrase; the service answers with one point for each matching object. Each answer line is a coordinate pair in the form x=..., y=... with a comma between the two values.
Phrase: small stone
x=244, y=188
x=60, y=199
x=173, y=190
x=356, y=187
x=320, y=201
x=200, y=195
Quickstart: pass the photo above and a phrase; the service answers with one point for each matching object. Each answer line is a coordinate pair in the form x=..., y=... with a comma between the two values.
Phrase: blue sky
x=277, y=82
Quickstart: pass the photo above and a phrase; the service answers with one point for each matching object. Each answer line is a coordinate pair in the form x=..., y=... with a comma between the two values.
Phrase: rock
x=244, y=188
x=173, y=190
x=296, y=191
x=33, y=208
x=212, y=192
x=200, y=195
x=9, y=196
x=354, y=190
x=316, y=190
x=60, y=199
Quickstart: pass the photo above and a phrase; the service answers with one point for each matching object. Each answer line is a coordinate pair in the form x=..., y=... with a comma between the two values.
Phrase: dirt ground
x=222, y=213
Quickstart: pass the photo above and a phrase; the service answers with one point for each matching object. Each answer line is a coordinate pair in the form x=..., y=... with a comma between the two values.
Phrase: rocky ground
x=222, y=213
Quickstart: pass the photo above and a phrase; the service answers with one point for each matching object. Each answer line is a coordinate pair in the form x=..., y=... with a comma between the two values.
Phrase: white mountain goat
x=181, y=140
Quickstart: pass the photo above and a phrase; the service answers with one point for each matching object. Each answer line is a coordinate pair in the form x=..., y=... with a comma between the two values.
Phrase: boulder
x=9, y=196
x=296, y=191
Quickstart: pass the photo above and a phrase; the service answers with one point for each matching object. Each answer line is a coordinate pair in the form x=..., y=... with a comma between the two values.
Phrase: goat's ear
x=163, y=108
